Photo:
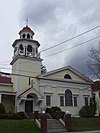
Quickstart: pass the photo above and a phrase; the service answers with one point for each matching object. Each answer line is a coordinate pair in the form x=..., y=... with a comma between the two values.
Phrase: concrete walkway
x=96, y=131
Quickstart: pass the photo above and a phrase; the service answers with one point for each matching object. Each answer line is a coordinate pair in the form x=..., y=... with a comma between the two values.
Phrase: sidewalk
x=96, y=131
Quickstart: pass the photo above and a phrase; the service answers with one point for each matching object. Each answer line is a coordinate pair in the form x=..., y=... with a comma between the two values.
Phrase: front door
x=28, y=106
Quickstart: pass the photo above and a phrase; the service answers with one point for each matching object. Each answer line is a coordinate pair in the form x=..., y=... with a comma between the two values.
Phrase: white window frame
x=74, y=101
x=63, y=100
x=84, y=100
x=48, y=94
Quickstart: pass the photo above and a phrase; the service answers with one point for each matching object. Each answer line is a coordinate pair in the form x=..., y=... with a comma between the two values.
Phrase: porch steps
x=30, y=115
x=55, y=126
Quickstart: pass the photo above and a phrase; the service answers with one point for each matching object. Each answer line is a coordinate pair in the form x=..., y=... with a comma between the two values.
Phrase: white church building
x=28, y=90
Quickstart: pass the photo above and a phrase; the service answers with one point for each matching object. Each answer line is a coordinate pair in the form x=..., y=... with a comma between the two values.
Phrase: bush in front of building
x=16, y=116
x=55, y=112
x=93, y=103
x=2, y=108
x=86, y=111
x=22, y=115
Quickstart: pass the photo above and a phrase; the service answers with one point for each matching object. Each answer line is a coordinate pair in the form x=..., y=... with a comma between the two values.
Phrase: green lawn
x=18, y=126
x=83, y=124
x=28, y=126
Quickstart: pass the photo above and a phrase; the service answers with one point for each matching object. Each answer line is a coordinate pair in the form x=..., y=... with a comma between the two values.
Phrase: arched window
x=67, y=76
x=23, y=35
x=21, y=47
x=29, y=48
x=29, y=96
x=28, y=36
x=68, y=98
x=36, y=50
x=15, y=50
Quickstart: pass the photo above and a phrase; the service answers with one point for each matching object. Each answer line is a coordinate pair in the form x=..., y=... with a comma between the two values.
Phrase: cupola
x=26, y=46
x=26, y=33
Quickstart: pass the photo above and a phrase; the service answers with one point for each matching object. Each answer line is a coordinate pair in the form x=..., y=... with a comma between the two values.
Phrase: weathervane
x=27, y=21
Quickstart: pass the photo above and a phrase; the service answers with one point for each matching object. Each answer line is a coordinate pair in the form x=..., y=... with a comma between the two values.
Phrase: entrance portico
x=29, y=101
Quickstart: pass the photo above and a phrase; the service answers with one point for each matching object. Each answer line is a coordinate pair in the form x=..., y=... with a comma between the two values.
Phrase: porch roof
x=5, y=79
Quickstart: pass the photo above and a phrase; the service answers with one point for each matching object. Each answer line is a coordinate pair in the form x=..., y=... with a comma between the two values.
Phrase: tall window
x=29, y=48
x=74, y=101
x=99, y=94
x=68, y=98
x=86, y=101
x=28, y=36
x=61, y=100
x=23, y=35
x=21, y=47
x=48, y=100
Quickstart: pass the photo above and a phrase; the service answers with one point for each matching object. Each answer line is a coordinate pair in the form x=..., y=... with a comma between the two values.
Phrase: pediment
x=66, y=73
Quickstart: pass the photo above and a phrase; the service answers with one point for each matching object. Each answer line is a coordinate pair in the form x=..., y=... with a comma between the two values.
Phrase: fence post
x=44, y=122
x=68, y=122
x=36, y=115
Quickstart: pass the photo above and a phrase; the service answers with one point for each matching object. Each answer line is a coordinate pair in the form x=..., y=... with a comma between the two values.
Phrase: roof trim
x=65, y=80
x=24, y=57
x=8, y=92
x=18, y=40
x=64, y=68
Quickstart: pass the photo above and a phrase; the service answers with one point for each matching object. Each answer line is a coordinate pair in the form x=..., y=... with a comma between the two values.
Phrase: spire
x=27, y=21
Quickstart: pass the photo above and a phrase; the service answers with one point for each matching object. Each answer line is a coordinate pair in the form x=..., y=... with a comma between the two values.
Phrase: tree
x=93, y=103
x=94, y=61
x=43, y=69
x=2, y=108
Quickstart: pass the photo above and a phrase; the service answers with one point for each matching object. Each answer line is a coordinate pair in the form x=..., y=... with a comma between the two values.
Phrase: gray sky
x=53, y=22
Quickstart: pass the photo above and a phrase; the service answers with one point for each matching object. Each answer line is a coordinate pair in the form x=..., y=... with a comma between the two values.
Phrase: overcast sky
x=53, y=22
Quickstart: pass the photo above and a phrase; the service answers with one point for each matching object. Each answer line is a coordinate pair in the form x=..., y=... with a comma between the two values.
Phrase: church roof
x=5, y=79
x=64, y=68
x=18, y=40
x=96, y=86
x=26, y=29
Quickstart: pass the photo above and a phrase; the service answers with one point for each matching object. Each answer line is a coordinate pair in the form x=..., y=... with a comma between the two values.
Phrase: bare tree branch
x=94, y=62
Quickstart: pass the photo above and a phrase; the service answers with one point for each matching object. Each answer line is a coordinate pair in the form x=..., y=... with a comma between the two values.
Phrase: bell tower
x=26, y=61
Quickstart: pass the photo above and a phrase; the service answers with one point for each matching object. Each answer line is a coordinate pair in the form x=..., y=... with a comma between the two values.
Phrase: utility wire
x=70, y=38
x=65, y=42
x=17, y=70
x=9, y=74
x=73, y=46
x=3, y=62
x=59, y=52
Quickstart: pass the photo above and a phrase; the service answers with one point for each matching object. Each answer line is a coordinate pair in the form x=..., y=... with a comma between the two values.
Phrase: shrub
x=86, y=111
x=22, y=115
x=93, y=103
x=16, y=116
x=2, y=109
x=55, y=112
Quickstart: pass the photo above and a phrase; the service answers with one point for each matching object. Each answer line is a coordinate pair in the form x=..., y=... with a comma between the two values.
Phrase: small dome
x=27, y=29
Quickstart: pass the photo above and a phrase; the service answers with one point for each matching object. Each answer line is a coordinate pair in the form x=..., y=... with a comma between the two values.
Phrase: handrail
x=63, y=123
x=38, y=123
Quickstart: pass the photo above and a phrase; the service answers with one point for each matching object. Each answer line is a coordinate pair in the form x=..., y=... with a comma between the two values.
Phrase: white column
x=81, y=99
x=0, y=97
x=54, y=97
x=18, y=88
x=90, y=92
x=41, y=90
